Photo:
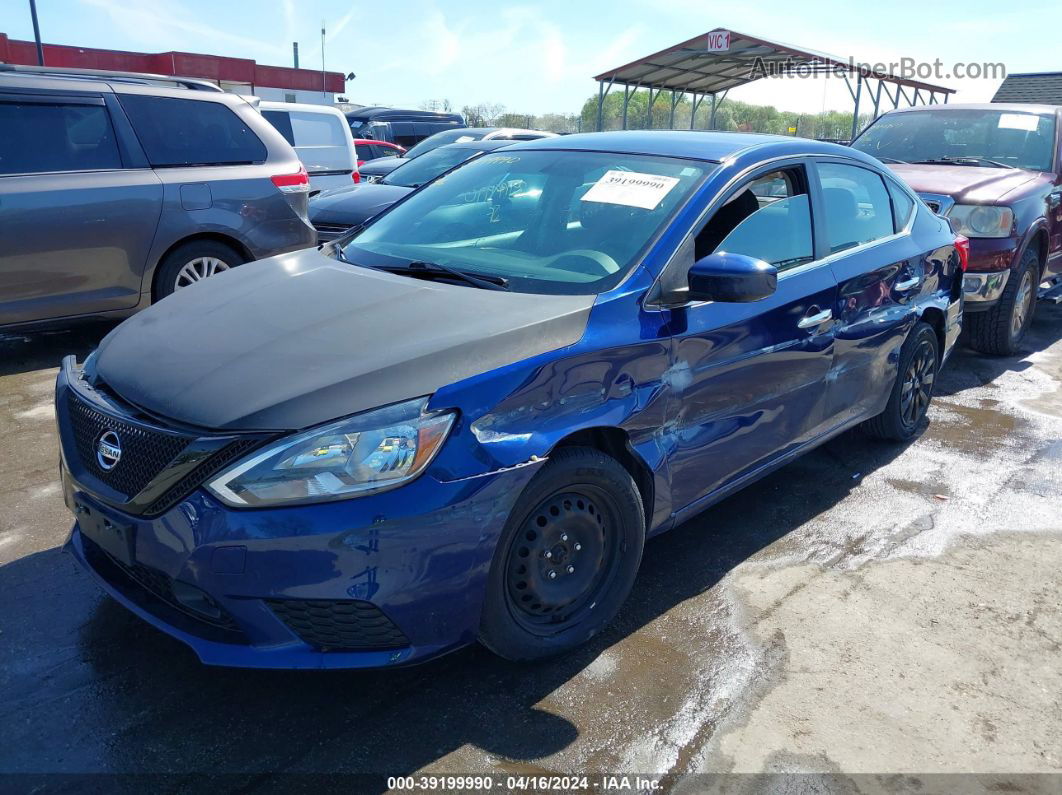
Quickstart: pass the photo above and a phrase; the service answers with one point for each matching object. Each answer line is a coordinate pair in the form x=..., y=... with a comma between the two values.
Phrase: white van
x=322, y=140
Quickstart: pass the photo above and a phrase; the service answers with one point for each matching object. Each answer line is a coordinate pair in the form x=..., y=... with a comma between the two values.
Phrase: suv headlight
x=370, y=452
x=982, y=220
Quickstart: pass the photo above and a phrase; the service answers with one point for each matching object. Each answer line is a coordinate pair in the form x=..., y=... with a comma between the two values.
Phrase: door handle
x=811, y=321
x=908, y=284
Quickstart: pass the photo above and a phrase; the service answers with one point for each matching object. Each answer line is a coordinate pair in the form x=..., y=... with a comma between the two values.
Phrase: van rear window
x=188, y=132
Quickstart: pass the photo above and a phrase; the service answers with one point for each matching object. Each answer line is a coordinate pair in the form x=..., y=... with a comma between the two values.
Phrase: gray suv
x=117, y=189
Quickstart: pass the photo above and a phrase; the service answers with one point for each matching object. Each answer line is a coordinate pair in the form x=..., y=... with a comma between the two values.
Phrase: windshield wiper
x=892, y=160
x=966, y=161
x=434, y=269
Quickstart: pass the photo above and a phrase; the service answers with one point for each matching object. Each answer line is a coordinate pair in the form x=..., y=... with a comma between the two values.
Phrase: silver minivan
x=117, y=189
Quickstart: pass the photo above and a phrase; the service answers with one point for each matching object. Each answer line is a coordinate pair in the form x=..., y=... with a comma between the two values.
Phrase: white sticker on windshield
x=1018, y=121
x=631, y=188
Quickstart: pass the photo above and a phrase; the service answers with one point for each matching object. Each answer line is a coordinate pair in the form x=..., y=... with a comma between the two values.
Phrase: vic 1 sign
x=719, y=41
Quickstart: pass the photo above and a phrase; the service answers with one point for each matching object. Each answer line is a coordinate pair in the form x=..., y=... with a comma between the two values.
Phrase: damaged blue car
x=461, y=421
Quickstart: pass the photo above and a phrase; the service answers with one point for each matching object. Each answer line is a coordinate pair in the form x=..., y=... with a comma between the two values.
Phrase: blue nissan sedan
x=460, y=422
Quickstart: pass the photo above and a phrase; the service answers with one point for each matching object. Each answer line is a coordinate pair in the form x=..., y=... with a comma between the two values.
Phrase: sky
x=540, y=57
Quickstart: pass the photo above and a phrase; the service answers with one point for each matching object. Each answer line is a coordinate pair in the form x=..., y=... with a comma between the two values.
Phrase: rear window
x=188, y=132
x=317, y=129
x=281, y=119
x=39, y=138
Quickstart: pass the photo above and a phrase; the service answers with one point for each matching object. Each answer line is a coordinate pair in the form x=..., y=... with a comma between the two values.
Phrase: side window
x=39, y=138
x=857, y=206
x=281, y=119
x=902, y=205
x=189, y=132
x=769, y=219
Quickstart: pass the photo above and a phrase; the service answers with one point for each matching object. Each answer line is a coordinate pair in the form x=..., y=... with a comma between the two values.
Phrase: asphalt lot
x=871, y=608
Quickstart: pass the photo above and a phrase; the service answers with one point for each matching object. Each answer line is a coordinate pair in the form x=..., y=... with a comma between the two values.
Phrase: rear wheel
x=1000, y=330
x=567, y=558
x=913, y=389
x=193, y=262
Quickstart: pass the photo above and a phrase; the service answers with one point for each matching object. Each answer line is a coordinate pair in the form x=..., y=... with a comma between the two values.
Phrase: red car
x=369, y=149
x=995, y=171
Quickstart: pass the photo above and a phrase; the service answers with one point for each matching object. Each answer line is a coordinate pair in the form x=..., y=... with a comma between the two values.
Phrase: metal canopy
x=719, y=60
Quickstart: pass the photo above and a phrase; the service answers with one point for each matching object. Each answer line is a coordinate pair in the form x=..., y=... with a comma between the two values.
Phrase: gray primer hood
x=300, y=339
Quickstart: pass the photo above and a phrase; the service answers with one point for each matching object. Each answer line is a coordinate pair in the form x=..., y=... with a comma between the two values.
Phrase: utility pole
x=37, y=33
x=295, y=52
x=324, y=83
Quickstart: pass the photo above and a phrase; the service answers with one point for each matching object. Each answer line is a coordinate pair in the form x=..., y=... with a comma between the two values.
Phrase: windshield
x=546, y=221
x=1009, y=138
x=458, y=136
x=424, y=169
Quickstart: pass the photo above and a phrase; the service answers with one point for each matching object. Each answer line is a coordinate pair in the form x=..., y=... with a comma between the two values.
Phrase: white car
x=321, y=138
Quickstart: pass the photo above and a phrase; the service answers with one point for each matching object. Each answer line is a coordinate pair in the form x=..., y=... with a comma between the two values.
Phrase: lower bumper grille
x=350, y=624
x=153, y=590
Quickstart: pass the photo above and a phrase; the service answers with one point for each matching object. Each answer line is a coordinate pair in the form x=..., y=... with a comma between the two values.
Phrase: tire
x=199, y=258
x=1000, y=330
x=912, y=391
x=582, y=507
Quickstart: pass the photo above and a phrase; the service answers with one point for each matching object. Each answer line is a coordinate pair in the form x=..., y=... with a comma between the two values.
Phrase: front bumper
x=983, y=290
x=381, y=580
x=415, y=563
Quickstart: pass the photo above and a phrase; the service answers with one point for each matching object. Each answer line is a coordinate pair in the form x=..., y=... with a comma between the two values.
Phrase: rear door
x=322, y=142
x=78, y=208
x=750, y=379
x=880, y=273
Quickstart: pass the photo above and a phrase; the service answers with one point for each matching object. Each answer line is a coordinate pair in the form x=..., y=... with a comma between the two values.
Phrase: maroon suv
x=996, y=172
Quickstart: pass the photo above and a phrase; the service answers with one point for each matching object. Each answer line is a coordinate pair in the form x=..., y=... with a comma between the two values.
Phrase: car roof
x=479, y=146
x=1025, y=107
x=304, y=107
x=710, y=145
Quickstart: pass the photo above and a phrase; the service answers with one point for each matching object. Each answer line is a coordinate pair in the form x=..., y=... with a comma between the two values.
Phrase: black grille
x=153, y=591
x=327, y=624
x=201, y=474
x=934, y=206
x=326, y=232
x=145, y=453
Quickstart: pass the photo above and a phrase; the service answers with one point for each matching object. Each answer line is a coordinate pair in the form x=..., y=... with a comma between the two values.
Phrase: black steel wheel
x=567, y=557
x=562, y=559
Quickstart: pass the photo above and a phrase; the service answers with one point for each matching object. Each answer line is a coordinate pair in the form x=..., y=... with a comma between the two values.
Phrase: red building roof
x=182, y=64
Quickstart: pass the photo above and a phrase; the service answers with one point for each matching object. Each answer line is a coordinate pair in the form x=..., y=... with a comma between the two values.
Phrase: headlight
x=370, y=452
x=980, y=220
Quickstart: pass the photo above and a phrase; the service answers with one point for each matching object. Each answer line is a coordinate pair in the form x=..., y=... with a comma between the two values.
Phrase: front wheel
x=1000, y=330
x=567, y=558
x=913, y=390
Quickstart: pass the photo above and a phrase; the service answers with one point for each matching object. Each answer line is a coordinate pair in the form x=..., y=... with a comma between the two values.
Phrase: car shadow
x=130, y=699
x=24, y=352
x=970, y=369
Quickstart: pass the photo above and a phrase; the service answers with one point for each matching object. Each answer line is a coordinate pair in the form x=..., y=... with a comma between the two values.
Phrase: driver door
x=749, y=380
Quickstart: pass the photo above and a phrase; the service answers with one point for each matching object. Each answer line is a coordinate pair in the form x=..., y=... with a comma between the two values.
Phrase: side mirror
x=731, y=278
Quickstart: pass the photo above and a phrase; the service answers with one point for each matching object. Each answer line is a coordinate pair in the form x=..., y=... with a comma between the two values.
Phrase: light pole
x=37, y=33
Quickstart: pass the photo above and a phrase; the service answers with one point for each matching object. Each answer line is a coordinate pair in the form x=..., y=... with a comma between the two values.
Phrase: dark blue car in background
x=462, y=422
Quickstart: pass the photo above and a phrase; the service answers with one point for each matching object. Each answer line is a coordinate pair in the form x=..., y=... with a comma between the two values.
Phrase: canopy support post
x=855, y=109
x=626, y=102
x=675, y=99
x=602, y=92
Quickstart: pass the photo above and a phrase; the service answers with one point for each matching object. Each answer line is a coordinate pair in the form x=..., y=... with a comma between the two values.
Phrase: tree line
x=730, y=114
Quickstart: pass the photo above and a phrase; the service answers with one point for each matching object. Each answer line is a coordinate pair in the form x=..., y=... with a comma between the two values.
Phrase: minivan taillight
x=962, y=245
x=299, y=182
